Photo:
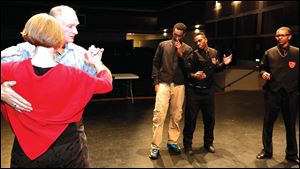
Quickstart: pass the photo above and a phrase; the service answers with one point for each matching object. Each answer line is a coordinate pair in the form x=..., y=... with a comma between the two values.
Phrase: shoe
x=263, y=155
x=296, y=159
x=188, y=150
x=154, y=153
x=174, y=148
x=210, y=148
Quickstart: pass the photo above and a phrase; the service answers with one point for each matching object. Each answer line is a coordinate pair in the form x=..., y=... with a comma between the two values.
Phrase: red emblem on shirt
x=292, y=64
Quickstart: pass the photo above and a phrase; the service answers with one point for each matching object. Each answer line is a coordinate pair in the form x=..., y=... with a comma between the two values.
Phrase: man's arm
x=19, y=52
x=8, y=53
x=187, y=62
x=264, y=67
x=79, y=59
x=156, y=64
x=220, y=66
x=9, y=96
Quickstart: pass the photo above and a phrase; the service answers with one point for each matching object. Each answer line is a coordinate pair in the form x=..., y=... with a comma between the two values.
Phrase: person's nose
x=74, y=30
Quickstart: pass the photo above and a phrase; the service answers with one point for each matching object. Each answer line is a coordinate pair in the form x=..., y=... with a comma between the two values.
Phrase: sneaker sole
x=174, y=152
x=153, y=158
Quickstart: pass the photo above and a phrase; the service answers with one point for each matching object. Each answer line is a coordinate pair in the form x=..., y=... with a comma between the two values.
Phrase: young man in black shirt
x=280, y=68
x=200, y=68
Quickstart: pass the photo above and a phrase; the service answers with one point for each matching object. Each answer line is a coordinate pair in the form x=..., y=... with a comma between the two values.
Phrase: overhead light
x=235, y=3
x=218, y=5
x=165, y=34
x=197, y=26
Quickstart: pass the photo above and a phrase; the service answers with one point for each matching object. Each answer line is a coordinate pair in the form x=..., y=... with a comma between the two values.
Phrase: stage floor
x=119, y=135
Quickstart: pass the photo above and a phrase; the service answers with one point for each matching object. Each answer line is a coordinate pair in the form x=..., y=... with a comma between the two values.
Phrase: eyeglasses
x=282, y=35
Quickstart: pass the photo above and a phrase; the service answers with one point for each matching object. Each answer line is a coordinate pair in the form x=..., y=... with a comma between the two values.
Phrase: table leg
x=131, y=93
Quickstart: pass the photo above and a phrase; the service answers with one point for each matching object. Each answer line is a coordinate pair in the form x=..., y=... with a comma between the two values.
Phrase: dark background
x=246, y=30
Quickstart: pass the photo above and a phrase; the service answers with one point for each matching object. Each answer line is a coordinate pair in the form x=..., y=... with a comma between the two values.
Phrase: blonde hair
x=43, y=30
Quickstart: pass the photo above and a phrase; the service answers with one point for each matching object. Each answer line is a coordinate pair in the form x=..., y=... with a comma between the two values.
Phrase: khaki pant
x=173, y=95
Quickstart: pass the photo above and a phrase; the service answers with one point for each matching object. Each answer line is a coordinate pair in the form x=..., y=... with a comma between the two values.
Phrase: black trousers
x=287, y=104
x=196, y=100
x=83, y=139
x=66, y=152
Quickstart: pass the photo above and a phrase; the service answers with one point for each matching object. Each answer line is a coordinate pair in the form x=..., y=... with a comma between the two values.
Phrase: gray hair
x=58, y=10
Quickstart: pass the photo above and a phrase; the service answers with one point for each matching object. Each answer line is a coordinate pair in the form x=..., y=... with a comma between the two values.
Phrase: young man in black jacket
x=168, y=76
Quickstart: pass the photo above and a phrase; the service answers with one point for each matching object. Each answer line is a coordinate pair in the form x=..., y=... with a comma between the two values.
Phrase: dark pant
x=66, y=152
x=196, y=100
x=287, y=104
x=83, y=139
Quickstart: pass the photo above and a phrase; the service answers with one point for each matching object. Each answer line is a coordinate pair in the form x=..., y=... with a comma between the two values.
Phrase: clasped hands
x=199, y=75
x=93, y=56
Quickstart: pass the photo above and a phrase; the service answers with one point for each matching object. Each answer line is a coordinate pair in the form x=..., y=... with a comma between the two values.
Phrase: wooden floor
x=119, y=135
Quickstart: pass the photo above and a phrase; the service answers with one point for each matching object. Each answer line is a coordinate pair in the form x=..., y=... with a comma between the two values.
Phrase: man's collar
x=283, y=48
x=69, y=46
x=202, y=50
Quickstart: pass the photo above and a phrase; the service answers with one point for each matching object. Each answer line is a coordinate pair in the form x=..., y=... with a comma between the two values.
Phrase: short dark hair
x=199, y=33
x=285, y=28
x=180, y=26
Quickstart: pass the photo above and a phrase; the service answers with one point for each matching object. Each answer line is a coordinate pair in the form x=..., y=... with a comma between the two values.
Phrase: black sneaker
x=210, y=148
x=293, y=159
x=174, y=148
x=188, y=150
x=263, y=155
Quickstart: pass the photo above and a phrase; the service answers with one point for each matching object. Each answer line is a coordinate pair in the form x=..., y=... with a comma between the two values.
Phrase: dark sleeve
x=189, y=64
x=157, y=64
x=264, y=64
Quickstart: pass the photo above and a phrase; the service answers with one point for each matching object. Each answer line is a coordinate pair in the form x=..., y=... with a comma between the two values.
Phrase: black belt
x=196, y=86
